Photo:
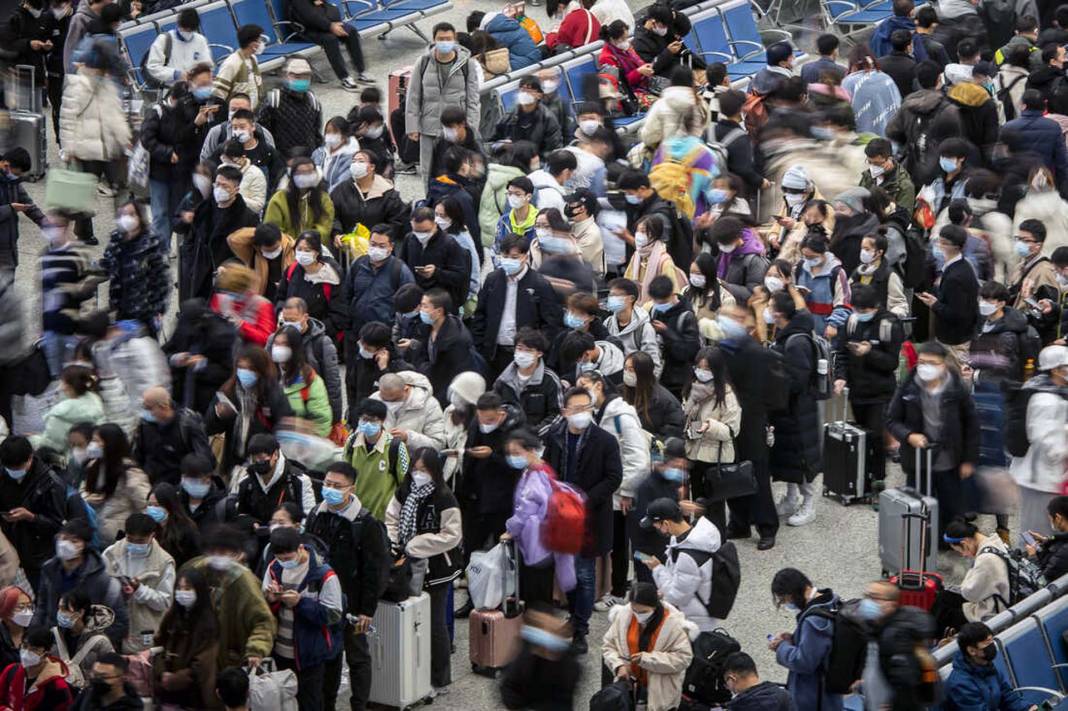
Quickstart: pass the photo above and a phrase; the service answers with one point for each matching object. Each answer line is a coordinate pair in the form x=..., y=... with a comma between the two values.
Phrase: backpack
x=392, y=453
x=755, y=111
x=776, y=391
x=1025, y=577
x=672, y=177
x=999, y=16
x=849, y=644
x=720, y=148
x=914, y=272
x=150, y=82
x=617, y=696
x=703, y=682
x=1030, y=343
x=564, y=527
x=364, y=518
x=1004, y=95
x=1017, y=396
x=655, y=444
x=726, y=577
x=821, y=385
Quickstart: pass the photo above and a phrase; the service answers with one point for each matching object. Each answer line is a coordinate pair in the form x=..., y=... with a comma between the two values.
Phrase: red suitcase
x=919, y=587
x=494, y=636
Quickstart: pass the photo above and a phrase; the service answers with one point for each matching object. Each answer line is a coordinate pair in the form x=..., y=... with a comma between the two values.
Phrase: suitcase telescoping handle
x=27, y=98
x=906, y=540
x=845, y=404
x=929, y=449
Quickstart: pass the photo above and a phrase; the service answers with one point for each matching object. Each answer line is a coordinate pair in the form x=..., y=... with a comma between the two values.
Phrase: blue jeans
x=164, y=197
x=58, y=349
x=581, y=598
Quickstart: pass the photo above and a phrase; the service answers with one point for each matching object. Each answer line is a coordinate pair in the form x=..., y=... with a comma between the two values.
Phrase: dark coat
x=795, y=457
x=265, y=419
x=358, y=550
x=296, y=119
x=872, y=377
x=44, y=493
x=971, y=686
x=1047, y=80
x=902, y=69
x=200, y=331
x=205, y=247
x=446, y=358
x=936, y=51
x=664, y=417
x=12, y=191
x=680, y=343
x=451, y=185
x=533, y=682
x=740, y=153
x=654, y=49
x=765, y=696
x=538, y=399
x=217, y=507
x=139, y=285
x=847, y=236
x=487, y=485
x=170, y=130
x=925, y=119
x=1036, y=134
x=957, y=310
x=897, y=637
x=536, y=306
x=92, y=577
x=253, y=501
x=88, y=701
x=806, y=655
x=978, y=116
x=1053, y=556
x=442, y=568
x=960, y=428
x=377, y=207
x=648, y=540
x=452, y=269
x=369, y=292
x=159, y=448
x=361, y=376
x=540, y=127
x=22, y=28
x=995, y=352
x=748, y=365
x=326, y=302
x=597, y=473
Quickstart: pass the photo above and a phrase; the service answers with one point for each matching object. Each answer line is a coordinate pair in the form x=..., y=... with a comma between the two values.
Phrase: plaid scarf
x=410, y=510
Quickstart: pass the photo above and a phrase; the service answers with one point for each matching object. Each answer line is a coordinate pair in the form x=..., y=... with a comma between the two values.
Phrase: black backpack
x=364, y=518
x=617, y=696
x=1004, y=95
x=849, y=646
x=726, y=577
x=1017, y=396
x=914, y=271
x=703, y=682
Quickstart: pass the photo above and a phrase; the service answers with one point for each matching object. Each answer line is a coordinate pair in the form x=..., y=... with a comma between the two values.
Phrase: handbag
x=398, y=587
x=729, y=481
x=138, y=165
x=270, y=690
x=70, y=190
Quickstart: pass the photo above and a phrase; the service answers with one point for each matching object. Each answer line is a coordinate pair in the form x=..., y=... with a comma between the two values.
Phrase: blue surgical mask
x=147, y=415
x=869, y=609
x=543, y=638
x=247, y=377
x=717, y=196
x=948, y=165
x=573, y=321
x=865, y=317
x=299, y=86
x=16, y=474
x=64, y=620
x=661, y=308
x=823, y=133
x=445, y=47
x=138, y=550
x=517, y=461
x=633, y=199
x=510, y=266
x=616, y=303
x=426, y=318
x=730, y=327
x=791, y=608
x=158, y=513
x=333, y=497
x=289, y=564
x=196, y=488
x=369, y=429
x=674, y=474
x=202, y=93
x=1021, y=248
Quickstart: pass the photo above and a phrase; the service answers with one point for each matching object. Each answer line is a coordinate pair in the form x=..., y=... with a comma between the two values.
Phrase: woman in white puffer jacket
x=92, y=123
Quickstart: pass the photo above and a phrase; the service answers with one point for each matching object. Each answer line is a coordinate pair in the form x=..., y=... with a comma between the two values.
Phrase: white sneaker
x=805, y=515
x=787, y=505
x=607, y=602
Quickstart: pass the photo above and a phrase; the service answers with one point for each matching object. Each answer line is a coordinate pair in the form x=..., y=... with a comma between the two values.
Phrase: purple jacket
x=529, y=508
x=751, y=244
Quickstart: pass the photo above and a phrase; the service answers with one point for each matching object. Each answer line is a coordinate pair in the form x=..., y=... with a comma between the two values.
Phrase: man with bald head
x=892, y=673
x=165, y=434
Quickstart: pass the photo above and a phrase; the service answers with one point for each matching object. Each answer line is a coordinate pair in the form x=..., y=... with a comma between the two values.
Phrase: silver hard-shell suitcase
x=894, y=504
x=28, y=128
x=400, y=652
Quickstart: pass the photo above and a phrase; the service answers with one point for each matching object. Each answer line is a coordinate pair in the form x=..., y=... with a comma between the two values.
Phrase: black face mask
x=100, y=687
x=259, y=468
x=990, y=652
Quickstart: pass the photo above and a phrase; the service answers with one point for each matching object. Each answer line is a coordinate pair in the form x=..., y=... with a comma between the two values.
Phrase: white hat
x=468, y=386
x=1052, y=357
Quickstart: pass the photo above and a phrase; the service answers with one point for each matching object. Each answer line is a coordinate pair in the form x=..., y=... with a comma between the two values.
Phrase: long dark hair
x=706, y=264
x=455, y=212
x=315, y=193
x=116, y=449
x=297, y=363
x=260, y=362
x=720, y=377
x=432, y=463
x=642, y=393
x=178, y=524
x=198, y=622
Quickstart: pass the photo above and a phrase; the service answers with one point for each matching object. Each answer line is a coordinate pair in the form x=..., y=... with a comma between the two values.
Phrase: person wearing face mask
x=875, y=271
x=251, y=402
x=253, y=187
x=464, y=392
x=527, y=383
x=665, y=480
x=513, y=297
x=79, y=568
x=804, y=651
x=748, y=692
x=247, y=626
x=798, y=192
x=255, y=150
x=1050, y=551
x=304, y=388
x=80, y=403
x=1034, y=277
x=932, y=409
x=13, y=196
x=107, y=688
x=454, y=181
x=371, y=282
x=531, y=121
x=436, y=259
x=588, y=458
x=455, y=131
x=16, y=612
x=304, y=204
x=222, y=130
x=188, y=634
x=268, y=480
x=38, y=679
x=676, y=328
x=997, y=352
x=67, y=281
x=368, y=199
x=651, y=258
x=203, y=498
x=371, y=356
x=305, y=640
x=633, y=72
x=315, y=279
x=579, y=352
x=986, y=586
x=444, y=76
x=975, y=680
x=113, y=485
x=648, y=644
x=884, y=172
x=825, y=284
x=854, y=220
x=146, y=572
x=334, y=157
x=139, y=285
x=423, y=520
x=521, y=215
x=268, y=251
x=445, y=347
x=292, y=113
x=545, y=674
x=175, y=52
x=955, y=304
x=380, y=459
x=644, y=203
x=741, y=263
x=239, y=73
x=551, y=180
x=175, y=531
x=319, y=349
x=631, y=323
x=415, y=417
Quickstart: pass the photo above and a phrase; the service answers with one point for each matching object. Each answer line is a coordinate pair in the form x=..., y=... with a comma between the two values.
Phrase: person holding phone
x=1051, y=551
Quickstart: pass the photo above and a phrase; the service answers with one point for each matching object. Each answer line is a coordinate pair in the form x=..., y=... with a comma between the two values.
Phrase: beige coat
x=130, y=497
x=240, y=242
x=668, y=661
x=152, y=598
x=988, y=576
x=724, y=422
x=1043, y=274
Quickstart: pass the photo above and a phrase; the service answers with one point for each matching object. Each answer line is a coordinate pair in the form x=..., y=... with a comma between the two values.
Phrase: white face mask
x=281, y=354
x=525, y=98
x=420, y=478
x=274, y=254
x=22, y=618
x=359, y=169
x=622, y=45
x=377, y=254
x=794, y=199
x=332, y=140
x=867, y=256
x=305, y=258
x=549, y=86
x=452, y=135
x=242, y=136
x=727, y=248
x=524, y=359
x=642, y=617
x=769, y=317
x=928, y=372
x=221, y=194
x=986, y=308
x=703, y=375
x=127, y=223
x=640, y=239
x=876, y=171
x=589, y=126
x=517, y=201
x=442, y=222
x=773, y=283
x=698, y=281
x=374, y=132
x=305, y=181
x=630, y=378
x=580, y=420
x=185, y=598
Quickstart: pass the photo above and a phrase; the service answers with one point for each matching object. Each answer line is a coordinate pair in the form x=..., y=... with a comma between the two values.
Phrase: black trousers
x=948, y=490
x=331, y=45
x=55, y=100
x=620, y=554
x=440, y=645
x=536, y=584
x=112, y=172
x=756, y=510
x=358, y=656
x=501, y=360
x=872, y=417
x=310, y=684
x=480, y=528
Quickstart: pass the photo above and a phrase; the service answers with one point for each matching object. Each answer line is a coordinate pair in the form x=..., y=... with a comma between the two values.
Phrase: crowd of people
x=652, y=324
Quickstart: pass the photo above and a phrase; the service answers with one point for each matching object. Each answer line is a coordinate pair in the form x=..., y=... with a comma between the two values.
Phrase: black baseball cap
x=663, y=509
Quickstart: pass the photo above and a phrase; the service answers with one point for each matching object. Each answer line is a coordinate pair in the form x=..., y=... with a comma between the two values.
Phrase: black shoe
x=734, y=534
x=464, y=612
x=578, y=644
x=766, y=543
x=90, y=241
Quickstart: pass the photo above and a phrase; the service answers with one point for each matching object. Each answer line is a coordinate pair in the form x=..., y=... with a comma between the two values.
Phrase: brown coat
x=240, y=242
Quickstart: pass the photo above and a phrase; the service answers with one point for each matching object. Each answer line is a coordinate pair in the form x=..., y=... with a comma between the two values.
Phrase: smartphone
x=450, y=452
x=641, y=557
x=1028, y=538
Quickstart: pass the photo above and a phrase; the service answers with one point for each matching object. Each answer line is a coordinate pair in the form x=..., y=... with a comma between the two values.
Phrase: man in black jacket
x=955, y=304
x=323, y=26
x=202, y=494
x=292, y=113
x=729, y=133
x=32, y=497
x=676, y=329
x=586, y=456
x=435, y=258
x=933, y=411
x=359, y=554
x=655, y=42
x=900, y=64
x=866, y=360
x=899, y=631
x=272, y=480
x=512, y=297
x=643, y=201
x=528, y=383
x=444, y=349
x=530, y=121
x=166, y=434
x=749, y=692
x=369, y=199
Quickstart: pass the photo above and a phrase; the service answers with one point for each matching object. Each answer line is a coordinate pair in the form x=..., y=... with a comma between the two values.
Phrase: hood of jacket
x=421, y=390
x=863, y=223
x=958, y=73
x=611, y=357
x=1045, y=75
x=751, y=244
x=100, y=618
x=379, y=187
x=968, y=94
x=639, y=317
x=678, y=98
x=498, y=175
x=704, y=536
x=768, y=79
x=955, y=8
x=924, y=101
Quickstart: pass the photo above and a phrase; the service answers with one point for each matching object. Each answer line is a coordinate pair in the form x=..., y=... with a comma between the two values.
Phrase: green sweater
x=315, y=408
x=379, y=475
x=278, y=214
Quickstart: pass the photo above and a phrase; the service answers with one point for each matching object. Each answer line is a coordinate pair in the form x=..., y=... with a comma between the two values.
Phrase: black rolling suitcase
x=847, y=455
